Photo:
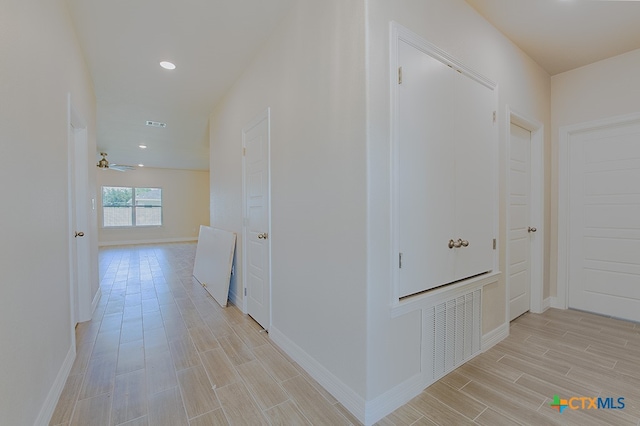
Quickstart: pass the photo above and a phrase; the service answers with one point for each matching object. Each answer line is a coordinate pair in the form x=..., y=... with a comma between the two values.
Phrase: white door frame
x=80, y=290
x=266, y=114
x=564, y=214
x=536, y=206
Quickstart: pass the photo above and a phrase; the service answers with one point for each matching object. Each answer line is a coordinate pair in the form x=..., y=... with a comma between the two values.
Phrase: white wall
x=41, y=64
x=329, y=97
x=455, y=27
x=311, y=74
x=600, y=90
x=185, y=204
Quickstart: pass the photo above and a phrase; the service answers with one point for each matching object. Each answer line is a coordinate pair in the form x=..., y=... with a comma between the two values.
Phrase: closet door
x=475, y=133
x=425, y=185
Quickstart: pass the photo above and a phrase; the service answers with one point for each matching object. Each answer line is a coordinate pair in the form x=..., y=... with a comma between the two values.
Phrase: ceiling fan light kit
x=104, y=164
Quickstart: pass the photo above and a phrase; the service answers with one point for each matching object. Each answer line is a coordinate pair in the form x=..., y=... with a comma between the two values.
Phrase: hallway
x=160, y=351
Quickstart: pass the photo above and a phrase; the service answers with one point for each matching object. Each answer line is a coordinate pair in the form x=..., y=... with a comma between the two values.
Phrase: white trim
x=50, y=402
x=385, y=404
x=439, y=295
x=564, y=213
x=353, y=402
x=399, y=33
x=494, y=336
x=96, y=300
x=536, y=211
x=154, y=241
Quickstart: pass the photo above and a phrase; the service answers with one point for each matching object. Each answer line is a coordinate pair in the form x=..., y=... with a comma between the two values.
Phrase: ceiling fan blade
x=121, y=167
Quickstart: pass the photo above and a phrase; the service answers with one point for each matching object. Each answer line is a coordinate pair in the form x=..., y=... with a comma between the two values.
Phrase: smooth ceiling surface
x=210, y=41
x=561, y=35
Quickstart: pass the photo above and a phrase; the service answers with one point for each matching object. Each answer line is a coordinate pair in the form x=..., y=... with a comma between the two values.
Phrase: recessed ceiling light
x=167, y=65
x=142, y=146
x=140, y=165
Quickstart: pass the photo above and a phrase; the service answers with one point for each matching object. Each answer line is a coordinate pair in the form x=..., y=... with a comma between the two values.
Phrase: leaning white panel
x=214, y=259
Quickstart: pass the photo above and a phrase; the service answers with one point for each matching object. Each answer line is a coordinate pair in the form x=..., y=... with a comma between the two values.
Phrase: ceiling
x=561, y=35
x=212, y=41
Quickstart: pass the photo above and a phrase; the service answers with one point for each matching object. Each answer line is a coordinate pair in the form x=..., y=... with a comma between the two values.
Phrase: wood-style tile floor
x=160, y=351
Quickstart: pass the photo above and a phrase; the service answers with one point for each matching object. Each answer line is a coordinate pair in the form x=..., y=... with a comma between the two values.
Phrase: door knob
x=531, y=229
x=263, y=236
x=78, y=234
x=458, y=244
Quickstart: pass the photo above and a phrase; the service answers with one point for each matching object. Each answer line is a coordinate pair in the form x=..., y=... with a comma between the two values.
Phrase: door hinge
x=494, y=116
x=245, y=291
x=494, y=243
x=400, y=260
x=244, y=151
x=399, y=75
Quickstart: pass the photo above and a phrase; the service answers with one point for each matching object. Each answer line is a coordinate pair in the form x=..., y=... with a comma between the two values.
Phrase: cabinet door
x=474, y=175
x=425, y=187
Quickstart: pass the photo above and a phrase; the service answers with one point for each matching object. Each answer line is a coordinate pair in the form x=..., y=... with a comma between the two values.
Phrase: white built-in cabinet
x=444, y=169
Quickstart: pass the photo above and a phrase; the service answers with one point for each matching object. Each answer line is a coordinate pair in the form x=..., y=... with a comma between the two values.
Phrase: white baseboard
x=546, y=304
x=495, y=336
x=96, y=300
x=385, y=404
x=153, y=241
x=49, y=405
x=368, y=412
x=347, y=397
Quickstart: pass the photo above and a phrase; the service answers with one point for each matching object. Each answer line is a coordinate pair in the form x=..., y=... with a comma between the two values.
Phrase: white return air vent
x=451, y=334
x=156, y=124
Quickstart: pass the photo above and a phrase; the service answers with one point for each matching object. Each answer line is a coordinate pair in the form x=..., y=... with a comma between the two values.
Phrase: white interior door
x=257, y=247
x=426, y=187
x=519, y=233
x=604, y=221
x=80, y=207
x=475, y=202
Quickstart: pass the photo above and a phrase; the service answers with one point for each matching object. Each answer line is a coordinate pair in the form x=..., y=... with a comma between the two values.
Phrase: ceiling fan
x=104, y=164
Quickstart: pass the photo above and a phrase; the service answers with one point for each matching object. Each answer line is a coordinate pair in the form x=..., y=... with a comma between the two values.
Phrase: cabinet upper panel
x=444, y=171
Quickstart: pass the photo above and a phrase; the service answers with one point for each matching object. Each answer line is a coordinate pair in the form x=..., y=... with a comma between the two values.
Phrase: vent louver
x=156, y=124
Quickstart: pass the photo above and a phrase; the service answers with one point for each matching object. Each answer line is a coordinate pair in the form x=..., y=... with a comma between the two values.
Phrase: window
x=124, y=206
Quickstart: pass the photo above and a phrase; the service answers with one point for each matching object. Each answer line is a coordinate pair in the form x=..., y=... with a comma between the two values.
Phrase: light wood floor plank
x=99, y=377
x=166, y=409
x=197, y=393
x=275, y=363
x=465, y=405
x=92, y=411
x=437, y=412
x=286, y=414
x=129, y=397
x=212, y=418
x=220, y=370
x=239, y=407
x=264, y=388
x=316, y=408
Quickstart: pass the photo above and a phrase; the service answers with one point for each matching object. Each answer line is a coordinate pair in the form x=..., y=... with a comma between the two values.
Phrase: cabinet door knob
x=464, y=243
x=262, y=236
x=531, y=229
